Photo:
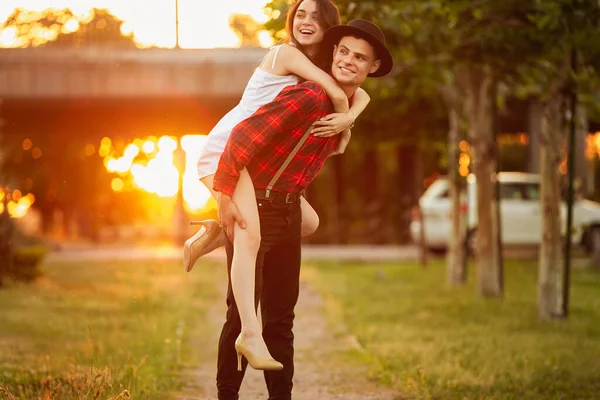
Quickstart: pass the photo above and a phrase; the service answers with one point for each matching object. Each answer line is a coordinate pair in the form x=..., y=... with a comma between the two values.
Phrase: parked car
x=520, y=212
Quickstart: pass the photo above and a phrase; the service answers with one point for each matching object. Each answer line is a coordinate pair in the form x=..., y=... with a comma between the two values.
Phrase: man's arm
x=291, y=107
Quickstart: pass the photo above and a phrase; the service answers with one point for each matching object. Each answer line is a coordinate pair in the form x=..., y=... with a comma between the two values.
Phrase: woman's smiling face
x=307, y=28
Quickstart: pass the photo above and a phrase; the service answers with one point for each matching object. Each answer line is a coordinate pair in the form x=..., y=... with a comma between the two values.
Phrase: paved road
x=309, y=252
x=369, y=253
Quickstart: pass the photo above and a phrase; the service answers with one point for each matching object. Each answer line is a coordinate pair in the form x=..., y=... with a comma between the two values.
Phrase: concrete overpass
x=101, y=73
x=100, y=91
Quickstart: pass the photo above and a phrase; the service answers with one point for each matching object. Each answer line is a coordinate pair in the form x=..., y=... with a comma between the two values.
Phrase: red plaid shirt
x=262, y=142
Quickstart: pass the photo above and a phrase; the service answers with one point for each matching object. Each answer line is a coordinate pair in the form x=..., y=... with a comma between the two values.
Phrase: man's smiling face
x=353, y=60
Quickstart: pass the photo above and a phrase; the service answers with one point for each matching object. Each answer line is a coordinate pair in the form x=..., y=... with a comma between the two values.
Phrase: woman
x=283, y=65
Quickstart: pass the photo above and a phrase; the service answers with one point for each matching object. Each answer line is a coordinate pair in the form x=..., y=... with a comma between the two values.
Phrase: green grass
x=433, y=342
x=102, y=330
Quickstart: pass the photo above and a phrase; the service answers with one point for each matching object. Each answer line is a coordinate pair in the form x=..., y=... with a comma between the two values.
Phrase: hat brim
x=334, y=34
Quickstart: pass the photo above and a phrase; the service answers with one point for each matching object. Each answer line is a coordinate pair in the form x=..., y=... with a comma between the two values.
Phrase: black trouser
x=277, y=287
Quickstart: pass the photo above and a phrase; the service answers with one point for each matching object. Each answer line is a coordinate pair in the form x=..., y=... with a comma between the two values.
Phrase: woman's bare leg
x=246, y=243
x=310, y=218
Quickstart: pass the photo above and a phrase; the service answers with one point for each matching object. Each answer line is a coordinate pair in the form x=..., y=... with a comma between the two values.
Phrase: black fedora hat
x=367, y=31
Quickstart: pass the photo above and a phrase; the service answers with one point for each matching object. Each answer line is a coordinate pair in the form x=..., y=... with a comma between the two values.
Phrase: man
x=262, y=144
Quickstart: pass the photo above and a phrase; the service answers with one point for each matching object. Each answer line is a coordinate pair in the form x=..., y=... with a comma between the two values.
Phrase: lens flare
x=18, y=205
x=156, y=171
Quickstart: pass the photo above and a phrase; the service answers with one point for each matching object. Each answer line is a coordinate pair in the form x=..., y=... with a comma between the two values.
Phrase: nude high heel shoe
x=203, y=242
x=265, y=364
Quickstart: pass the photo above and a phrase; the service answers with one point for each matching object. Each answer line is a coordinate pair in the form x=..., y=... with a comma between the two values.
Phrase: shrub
x=6, y=245
x=20, y=254
x=26, y=261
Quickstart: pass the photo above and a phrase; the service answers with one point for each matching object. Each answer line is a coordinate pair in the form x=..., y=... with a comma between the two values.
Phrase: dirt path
x=316, y=377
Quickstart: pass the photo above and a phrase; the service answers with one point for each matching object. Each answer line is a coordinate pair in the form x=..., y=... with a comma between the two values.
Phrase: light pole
x=176, y=24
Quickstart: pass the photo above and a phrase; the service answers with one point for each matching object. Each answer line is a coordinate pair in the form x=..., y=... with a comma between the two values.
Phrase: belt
x=277, y=197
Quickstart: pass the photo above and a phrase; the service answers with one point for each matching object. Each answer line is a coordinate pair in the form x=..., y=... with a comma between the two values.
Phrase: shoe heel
x=239, y=357
x=203, y=242
x=205, y=223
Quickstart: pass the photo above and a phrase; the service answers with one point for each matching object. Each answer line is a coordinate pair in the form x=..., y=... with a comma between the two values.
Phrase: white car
x=521, y=216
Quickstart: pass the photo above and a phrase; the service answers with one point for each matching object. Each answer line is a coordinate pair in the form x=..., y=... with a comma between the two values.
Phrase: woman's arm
x=293, y=61
x=333, y=124
x=360, y=101
x=342, y=143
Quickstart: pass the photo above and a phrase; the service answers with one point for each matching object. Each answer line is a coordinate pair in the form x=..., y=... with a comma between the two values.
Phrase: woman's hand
x=229, y=215
x=343, y=143
x=332, y=124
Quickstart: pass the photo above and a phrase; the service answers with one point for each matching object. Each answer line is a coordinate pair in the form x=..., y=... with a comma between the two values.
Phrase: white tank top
x=261, y=89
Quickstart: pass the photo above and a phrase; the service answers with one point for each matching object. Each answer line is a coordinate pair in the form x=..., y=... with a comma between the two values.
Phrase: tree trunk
x=479, y=100
x=581, y=164
x=339, y=230
x=6, y=236
x=407, y=191
x=551, y=253
x=6, y=222
x=371, y=199
x=535, y=111
x=418, y=184
x=455, y=266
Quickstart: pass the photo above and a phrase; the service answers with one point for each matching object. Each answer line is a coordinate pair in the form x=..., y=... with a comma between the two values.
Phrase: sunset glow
x=146, y=163
x=18, y=204
x=202, y=23
x=158, y=175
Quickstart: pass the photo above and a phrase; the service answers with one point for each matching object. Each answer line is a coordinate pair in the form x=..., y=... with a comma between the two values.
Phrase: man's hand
x=229, y=215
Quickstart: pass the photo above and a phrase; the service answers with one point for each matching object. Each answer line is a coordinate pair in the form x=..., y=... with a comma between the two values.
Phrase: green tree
x=63, y=28
x=567, y=71
x=80, y=191
x=470, y=49
x=277, y=11
x=529, y=45
x=401, y=116
x=246, y=28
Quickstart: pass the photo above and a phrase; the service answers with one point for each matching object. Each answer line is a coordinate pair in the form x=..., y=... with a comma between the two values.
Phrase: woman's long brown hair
x=329, y=16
